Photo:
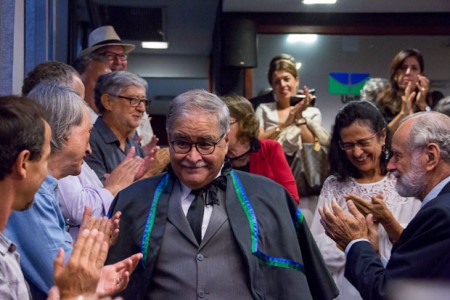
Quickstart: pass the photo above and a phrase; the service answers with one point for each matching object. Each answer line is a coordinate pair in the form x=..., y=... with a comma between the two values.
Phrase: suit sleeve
x=365, y=271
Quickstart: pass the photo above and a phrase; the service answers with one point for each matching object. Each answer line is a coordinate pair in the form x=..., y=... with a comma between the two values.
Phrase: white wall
x=351, y=54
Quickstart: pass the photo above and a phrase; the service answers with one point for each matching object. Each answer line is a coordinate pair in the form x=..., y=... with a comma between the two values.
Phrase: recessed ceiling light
x=302, y=38
x=155, y=45
x=319, y=1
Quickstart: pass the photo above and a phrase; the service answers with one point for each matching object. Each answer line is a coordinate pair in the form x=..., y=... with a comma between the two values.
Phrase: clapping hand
x=342, y=227
x=83, y=270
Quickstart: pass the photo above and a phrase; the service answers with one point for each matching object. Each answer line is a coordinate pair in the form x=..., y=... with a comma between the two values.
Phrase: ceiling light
x=302, y=38
x=319, y=1
x=298, y=65
x=155, y=45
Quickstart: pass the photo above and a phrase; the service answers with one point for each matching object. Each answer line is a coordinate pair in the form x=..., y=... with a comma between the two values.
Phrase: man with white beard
x=421, y=163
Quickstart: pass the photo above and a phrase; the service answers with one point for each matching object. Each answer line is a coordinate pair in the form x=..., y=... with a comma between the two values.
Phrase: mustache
x=199, y=164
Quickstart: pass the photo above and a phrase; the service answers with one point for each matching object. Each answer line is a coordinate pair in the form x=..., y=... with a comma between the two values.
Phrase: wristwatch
x=301, y=121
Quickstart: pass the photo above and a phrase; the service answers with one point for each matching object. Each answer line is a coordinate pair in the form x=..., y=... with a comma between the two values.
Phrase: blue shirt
x=106, y=153
x=39, y=232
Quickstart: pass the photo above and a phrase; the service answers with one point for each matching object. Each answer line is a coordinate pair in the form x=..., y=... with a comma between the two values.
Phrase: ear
x=21, y=165
x=433, y=154
x=106, y=101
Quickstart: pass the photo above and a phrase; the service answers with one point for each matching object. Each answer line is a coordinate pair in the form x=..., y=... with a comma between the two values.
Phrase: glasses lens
x=205, y=147
x=181, y=147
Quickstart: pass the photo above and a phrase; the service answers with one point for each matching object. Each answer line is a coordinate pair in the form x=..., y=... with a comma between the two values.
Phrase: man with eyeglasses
x=208, y=231
x=121, y=102
x=105, y=42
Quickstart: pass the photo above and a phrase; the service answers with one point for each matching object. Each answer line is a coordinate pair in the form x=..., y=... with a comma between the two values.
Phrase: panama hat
x=105, y=36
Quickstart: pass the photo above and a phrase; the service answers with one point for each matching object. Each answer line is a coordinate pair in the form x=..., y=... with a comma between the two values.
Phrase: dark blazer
x=422, y=252
x=283, y=261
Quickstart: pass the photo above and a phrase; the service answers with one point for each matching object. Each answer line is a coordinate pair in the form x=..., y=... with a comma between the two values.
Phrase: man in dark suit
x=207, y=231
x=421, y=163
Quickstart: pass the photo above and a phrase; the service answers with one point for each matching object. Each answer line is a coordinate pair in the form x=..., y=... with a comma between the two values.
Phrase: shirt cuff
x=347, y=249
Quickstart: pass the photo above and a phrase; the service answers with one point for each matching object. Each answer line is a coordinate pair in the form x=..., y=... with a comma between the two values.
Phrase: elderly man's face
x=194, y=169
x=125, y=116
x=115, y=55
x=406, y=166
x=76, y=148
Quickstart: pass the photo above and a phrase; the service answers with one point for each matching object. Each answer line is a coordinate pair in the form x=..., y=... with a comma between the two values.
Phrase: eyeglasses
x=203, y=147
x=362, y=143
x=113, y=56
x=133, y=100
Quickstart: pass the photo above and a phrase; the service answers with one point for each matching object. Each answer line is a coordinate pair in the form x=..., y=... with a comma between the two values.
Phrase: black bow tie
x=209, y=192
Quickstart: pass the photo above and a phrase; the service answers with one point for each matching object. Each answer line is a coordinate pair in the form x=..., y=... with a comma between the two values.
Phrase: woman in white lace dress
x=358, y=158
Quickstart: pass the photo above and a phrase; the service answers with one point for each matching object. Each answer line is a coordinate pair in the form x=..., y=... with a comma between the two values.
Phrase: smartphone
x=300, y=96
x=296, y=99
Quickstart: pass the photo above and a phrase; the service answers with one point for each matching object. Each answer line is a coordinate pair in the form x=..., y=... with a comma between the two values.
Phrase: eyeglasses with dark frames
x=203, y=147
x=113, y=56
x=133, y=100
x=362, y=143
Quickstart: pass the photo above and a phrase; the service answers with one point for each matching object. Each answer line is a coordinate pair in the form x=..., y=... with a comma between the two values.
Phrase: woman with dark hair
x=408, y=88
x=258, y=156
x=358, y=158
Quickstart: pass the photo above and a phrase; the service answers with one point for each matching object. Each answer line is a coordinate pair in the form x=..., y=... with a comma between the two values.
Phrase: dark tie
x=195, y=214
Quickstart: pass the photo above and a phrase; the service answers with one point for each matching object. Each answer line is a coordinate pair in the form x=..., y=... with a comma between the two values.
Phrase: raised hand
x=423, y=85
x=115, y=278
x=342, y=227
x=125, y=173
x=83, y=270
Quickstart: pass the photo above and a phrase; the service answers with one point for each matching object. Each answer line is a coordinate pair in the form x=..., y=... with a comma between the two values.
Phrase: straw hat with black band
x=105, y=36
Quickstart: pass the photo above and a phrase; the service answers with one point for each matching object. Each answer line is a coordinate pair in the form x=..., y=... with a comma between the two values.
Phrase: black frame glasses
x=202, y=147
x=113, y=56
x=134, y=101
x=362, y=143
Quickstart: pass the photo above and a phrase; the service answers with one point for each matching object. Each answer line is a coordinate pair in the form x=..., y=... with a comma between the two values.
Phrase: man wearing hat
x=104, y=41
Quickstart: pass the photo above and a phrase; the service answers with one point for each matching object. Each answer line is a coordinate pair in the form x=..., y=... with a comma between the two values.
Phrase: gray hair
x=64, y=108
x=202, y=101
x=443, y=106
x=114, y=83
x=430, y=127
x=82, y=62
x=373, y=87
x=49, y=71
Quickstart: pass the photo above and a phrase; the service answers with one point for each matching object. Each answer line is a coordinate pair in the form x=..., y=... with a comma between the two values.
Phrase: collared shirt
x=75, y=192
x=186, y=201
x=435, y=191
x=106, y=153
x=12, y=283
x=39, y=233
x=187, y=198
x=144, y=130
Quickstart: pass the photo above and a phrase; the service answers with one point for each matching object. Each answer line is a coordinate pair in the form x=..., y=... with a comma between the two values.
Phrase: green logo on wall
x=346, y=83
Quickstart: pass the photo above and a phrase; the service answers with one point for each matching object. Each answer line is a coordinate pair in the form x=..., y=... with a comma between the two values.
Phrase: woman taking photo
x=275, y=116
x=358, y=158
x=296, y=125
